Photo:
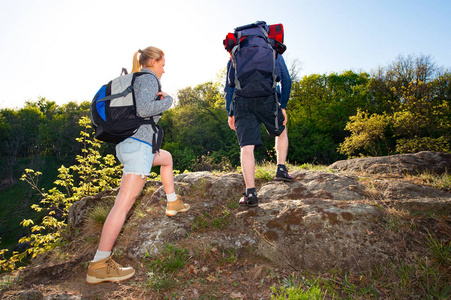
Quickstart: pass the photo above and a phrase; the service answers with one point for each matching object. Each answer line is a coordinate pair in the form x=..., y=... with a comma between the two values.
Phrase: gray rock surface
x=319, y=221
x=425, y=161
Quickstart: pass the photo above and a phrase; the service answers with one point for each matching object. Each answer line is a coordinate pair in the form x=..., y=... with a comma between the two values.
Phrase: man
x=245, y=117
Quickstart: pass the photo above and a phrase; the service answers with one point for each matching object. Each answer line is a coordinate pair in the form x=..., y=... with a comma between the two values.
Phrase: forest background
x=403, y=107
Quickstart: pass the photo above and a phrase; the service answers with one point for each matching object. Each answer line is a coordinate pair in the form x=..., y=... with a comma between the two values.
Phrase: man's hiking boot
x=250, y=200
x=282, y=174
x=108, y=270
x=176, y=206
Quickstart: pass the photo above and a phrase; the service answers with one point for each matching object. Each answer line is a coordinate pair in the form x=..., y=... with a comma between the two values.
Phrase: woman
x=135, y=153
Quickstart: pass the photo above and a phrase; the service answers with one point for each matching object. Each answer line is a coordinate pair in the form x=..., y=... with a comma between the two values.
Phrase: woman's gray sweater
x=146, y=89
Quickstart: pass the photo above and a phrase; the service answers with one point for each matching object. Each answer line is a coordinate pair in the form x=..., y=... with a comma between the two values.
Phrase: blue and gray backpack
x=113, y=111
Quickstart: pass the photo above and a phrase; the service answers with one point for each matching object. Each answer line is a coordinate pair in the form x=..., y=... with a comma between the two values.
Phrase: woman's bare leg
x=131, y=187
x=164, y=159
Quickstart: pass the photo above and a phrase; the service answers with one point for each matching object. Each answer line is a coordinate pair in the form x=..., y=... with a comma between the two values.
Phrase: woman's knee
x=164, y=158
x=169, y=156
x=125, y=200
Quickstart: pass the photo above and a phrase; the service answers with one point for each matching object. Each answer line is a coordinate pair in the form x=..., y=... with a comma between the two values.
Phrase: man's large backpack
x=254, y=61
x=113, y=111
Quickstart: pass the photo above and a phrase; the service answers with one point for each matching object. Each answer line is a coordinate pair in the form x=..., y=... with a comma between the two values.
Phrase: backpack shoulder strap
x=136, y=74
x=158, y=131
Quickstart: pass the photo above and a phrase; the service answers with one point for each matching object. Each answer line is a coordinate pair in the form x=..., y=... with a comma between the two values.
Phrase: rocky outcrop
x=317, y=234
x=425, y=161
x=79, y=209
x=319, y=221
x=353, y=216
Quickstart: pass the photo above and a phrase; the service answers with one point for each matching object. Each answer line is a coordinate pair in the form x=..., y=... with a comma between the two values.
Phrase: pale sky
x=65, y=50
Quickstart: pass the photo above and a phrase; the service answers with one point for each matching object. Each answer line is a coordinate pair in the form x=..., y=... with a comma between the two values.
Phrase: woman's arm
x=146, y=90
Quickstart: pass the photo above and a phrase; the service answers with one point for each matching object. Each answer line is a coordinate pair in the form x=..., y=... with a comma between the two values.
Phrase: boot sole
x=244, y=204
x=283, y=179
x=172, y=213
x=94, y=280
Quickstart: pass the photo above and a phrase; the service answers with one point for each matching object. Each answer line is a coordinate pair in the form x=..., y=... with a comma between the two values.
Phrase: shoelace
x=111, y=264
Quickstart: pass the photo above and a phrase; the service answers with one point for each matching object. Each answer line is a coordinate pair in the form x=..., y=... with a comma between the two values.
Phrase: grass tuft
x=162, y=270
x=297, y=287
x=97, y=216
x=440, y=250
x=442, y=182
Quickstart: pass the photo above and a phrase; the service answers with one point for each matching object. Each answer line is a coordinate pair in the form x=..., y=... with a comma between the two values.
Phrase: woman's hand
x=161, y=95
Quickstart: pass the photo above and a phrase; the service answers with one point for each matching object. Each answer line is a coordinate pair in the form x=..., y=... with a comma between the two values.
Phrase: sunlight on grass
x=297, y=287
x=266, y=171
x=442, y=182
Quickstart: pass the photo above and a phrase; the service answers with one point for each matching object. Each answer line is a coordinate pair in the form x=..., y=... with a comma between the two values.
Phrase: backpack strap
x=157, y=138
x=124, y=93
x=265, y=34
x=274, y=74
x=276, y=113
x=274, y=77
x=237, y=82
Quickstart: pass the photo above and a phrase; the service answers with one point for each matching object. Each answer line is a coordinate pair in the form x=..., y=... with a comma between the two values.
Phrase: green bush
x=92, y=174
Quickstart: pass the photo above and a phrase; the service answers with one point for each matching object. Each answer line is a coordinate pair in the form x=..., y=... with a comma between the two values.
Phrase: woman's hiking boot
x=282, y=174
x=250, y=200
x=176, y=206
x=108, y=270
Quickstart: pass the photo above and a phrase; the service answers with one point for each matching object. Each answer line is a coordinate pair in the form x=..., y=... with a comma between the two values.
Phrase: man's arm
x=228, y=89
x=285, y=82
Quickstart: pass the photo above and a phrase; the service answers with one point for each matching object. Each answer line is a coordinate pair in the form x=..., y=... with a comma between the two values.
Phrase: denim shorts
x=136, y=156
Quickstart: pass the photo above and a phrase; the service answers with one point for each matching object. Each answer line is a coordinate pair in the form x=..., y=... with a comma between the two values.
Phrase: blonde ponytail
x=142, y=58
x=136, y=67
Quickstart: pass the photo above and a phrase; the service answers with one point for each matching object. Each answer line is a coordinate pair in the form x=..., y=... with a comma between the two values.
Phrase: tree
x=19, y=135
x=92, y=174
x=412, y=100
x=319, y=109
x=197, y=127
x=59, y=127
x=368, y=134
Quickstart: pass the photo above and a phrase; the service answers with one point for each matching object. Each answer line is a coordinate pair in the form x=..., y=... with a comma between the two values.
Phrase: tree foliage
x=40, y=128
x=326, y=120
x=367, y=133
x=197, y=127
x=414, y=111
x=400, y=108
x=92, y=174
x=319, y=109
